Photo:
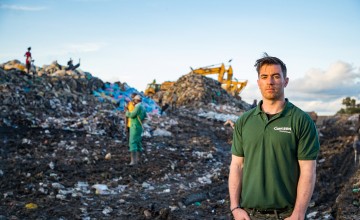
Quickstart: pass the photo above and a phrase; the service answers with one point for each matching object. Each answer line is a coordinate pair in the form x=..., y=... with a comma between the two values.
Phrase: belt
x=268, y=212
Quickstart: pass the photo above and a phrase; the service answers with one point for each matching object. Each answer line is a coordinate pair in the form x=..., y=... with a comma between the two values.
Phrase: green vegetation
x=350, y=106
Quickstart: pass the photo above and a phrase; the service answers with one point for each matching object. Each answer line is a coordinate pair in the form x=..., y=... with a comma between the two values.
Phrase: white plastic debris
x=173, y=208
x=107, y=210
x=173, y=122
x=146, y=134
x=61, y=197
x=322, y=160
x=312, y=214
x=101, y=189
x=57, y=186
x=218, y=116
x=26, y=141
x=162, y=132
x=51, y=165
x=84, y=151
x=204, y=180
x=145, y=185
x=203, y=154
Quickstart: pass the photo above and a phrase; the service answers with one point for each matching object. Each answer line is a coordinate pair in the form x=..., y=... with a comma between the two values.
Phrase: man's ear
x=286, y=81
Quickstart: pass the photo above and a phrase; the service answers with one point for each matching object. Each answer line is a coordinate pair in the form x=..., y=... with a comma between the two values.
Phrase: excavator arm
x=208, y=71
x=232, y=87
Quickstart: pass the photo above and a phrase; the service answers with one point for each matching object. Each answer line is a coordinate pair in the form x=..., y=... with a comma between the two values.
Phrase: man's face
x=271, y=82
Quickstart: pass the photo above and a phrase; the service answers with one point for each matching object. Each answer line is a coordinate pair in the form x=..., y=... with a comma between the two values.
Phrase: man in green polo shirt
x=275, y=146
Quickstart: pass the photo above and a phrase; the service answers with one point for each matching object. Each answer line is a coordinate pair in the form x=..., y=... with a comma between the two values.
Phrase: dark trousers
x=28, y=66
x=163, y=108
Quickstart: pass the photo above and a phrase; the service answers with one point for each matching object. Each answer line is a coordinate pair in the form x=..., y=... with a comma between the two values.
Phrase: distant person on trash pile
x=129, y=107
x=356, y=144
x=173, y=101
x=28, y=60
x=137, y=116
x=275, y=146
x=164, y=108
x=71, y=65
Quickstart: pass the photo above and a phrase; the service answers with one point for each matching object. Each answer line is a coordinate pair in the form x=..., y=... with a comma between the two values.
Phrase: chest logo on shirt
x=283, y=129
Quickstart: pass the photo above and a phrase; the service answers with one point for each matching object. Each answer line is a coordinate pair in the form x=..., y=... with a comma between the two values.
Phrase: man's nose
x=270, y=80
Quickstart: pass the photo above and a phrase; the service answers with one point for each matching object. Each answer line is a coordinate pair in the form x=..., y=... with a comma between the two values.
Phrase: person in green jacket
x=136, y=117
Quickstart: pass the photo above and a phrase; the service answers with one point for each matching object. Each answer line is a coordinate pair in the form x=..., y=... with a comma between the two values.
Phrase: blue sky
x=136, y=41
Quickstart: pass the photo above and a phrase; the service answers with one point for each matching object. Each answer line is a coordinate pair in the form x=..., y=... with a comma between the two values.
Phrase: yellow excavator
x=231, y=86
x=208, y=70
x=154, y=87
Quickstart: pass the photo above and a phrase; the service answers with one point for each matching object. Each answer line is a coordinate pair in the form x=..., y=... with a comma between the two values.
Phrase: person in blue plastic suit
x=136, y=117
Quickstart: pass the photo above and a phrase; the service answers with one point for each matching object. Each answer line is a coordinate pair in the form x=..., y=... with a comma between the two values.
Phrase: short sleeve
x=237, y=146
x=309, y=146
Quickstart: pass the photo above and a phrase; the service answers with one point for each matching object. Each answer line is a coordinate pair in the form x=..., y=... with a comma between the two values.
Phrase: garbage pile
x=194, y=90
x=87, y=104
x=54, y=69
x=63, y=154
x=56, y=102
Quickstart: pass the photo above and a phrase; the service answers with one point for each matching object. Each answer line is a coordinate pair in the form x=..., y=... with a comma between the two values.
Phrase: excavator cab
x=151, y=89
x=234, y=87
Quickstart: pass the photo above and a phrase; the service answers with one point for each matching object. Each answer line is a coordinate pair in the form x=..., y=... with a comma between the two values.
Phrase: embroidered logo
x=283, y=129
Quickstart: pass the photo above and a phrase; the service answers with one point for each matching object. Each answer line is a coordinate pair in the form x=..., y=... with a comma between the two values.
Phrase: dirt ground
x=63, y=169
x=165, y=185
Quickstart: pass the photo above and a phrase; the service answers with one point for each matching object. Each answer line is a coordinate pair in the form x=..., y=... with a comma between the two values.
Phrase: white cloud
x=340, y=80
x=23, y=8
x=323, y=90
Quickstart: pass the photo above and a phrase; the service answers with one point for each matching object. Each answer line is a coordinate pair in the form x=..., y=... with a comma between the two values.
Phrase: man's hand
x=240, y=214
x=229, y=122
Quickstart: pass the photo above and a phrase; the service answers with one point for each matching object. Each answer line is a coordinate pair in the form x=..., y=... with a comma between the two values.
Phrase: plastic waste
x=108, y=156
x=101, y=189
x=51, y=165
x=115, y=94
x=31, y=206
x=107, y=210
x=162, y=132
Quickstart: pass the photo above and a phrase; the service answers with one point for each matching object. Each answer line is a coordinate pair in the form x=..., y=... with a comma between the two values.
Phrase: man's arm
x=305, y=188
x=235, y=181
x=134, y=113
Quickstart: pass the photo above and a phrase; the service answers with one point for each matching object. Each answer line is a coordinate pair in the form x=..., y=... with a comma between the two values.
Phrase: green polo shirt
x=271, y=150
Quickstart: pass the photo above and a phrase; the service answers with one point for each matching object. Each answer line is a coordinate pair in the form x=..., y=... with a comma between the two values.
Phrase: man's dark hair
x=266, y=60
